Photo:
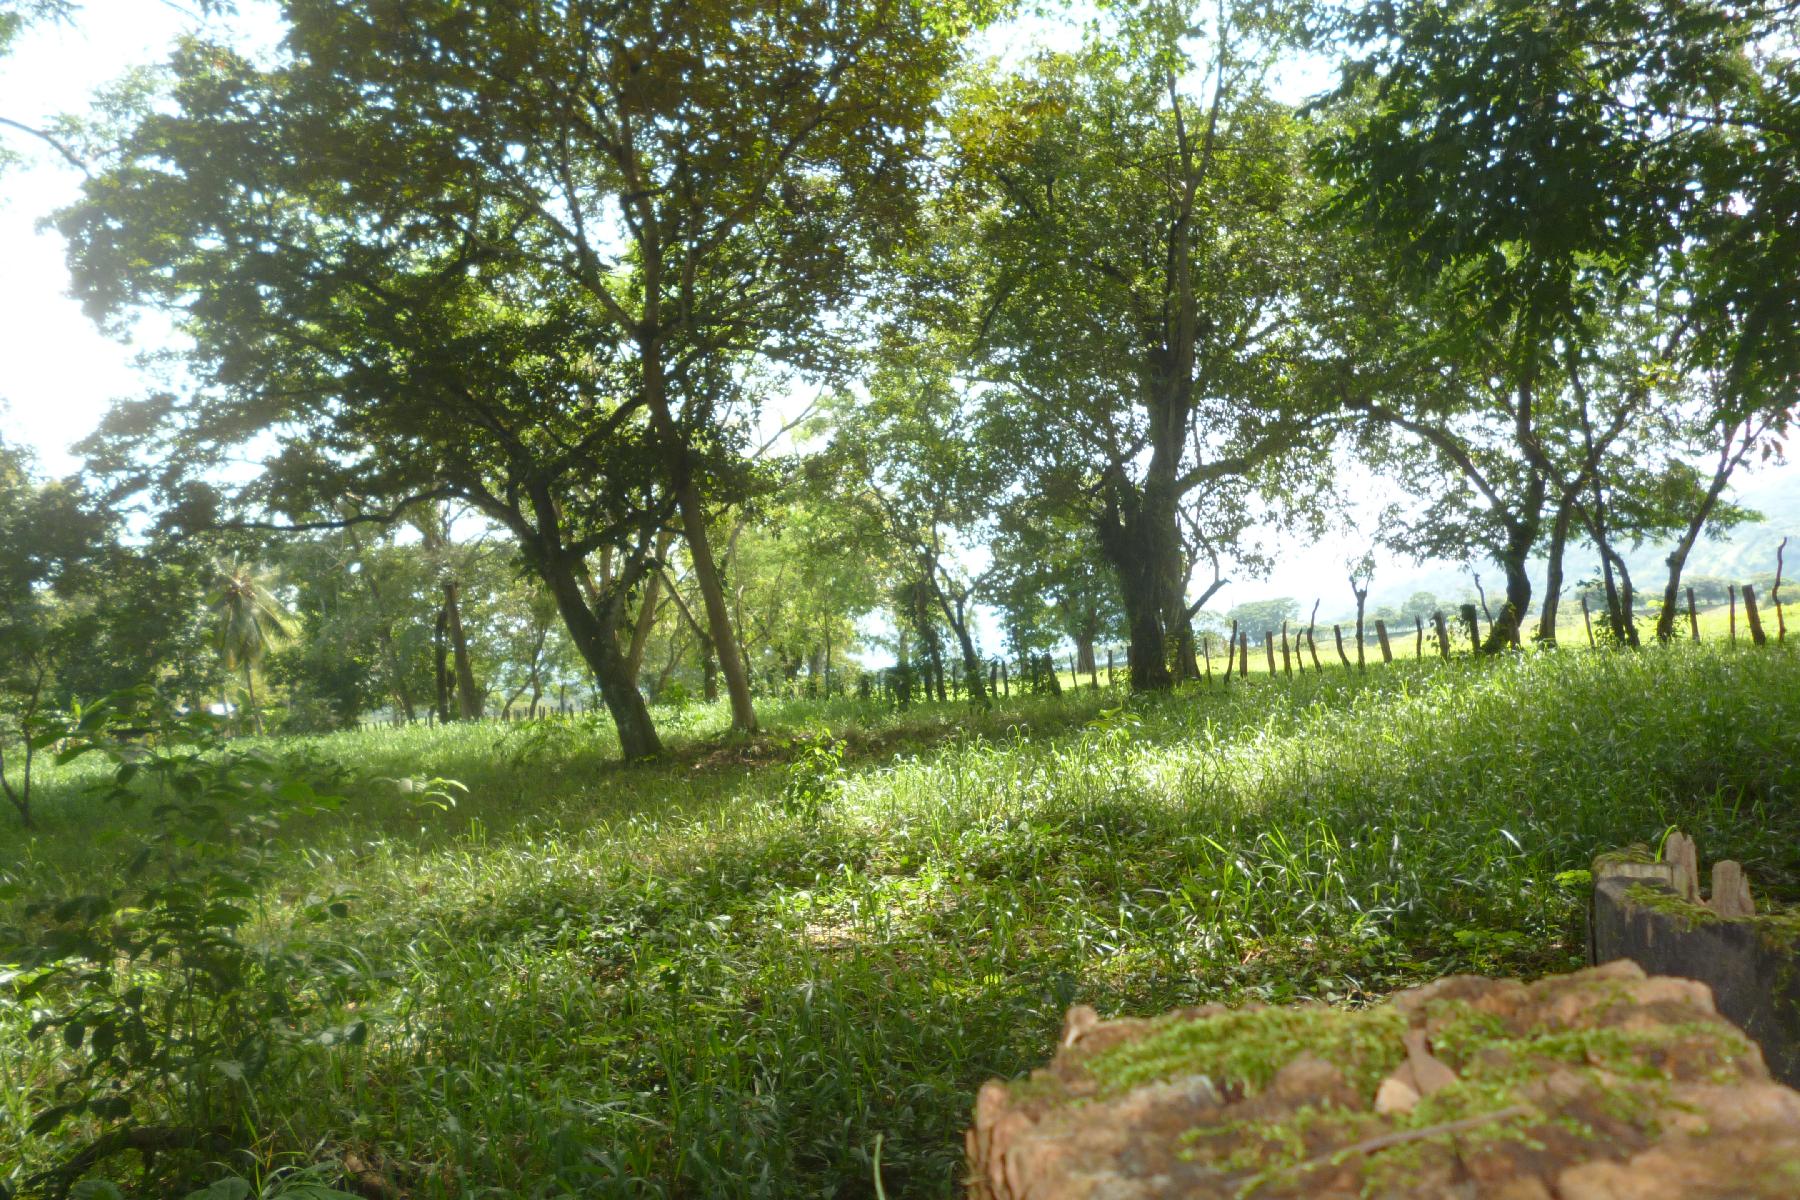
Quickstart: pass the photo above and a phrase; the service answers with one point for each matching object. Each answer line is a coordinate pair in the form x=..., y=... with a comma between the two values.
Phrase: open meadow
x=756, y=966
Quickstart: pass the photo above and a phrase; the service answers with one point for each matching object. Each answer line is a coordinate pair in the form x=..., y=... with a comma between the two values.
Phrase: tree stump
x=1606, y=1084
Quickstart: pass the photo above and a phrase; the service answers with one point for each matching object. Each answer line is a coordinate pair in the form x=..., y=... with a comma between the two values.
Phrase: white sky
x=58, y=374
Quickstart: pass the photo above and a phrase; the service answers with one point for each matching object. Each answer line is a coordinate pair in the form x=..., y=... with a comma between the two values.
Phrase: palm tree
x=251, y=623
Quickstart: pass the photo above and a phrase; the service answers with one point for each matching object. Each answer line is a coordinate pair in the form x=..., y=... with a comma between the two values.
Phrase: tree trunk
x=1677, y=560
x=646, y=614
x=709, y=669
x=440, y=652
x=1553, y=576
x=1518, y=599
x=256, y=720
x=1521, y=536
x=956, y=614
x=712, y=594
x=1140, y=537
x=1084, y=655
x=468, y=700
x=595, y=634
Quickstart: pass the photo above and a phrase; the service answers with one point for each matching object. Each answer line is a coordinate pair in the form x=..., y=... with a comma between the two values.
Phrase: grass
x=666, y=980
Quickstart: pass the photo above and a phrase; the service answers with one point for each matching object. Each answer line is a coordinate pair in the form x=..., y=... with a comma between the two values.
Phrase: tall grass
x=661, y=981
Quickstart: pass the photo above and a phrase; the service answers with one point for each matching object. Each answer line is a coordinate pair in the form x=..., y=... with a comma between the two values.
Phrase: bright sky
x=58, y=374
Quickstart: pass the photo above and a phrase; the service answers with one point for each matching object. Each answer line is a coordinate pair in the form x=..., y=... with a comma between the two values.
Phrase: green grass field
x=670, y=980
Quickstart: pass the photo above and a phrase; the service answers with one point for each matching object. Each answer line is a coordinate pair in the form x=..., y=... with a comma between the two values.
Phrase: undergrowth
x=729, y=973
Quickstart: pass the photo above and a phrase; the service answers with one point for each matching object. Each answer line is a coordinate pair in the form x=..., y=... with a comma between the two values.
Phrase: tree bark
x=1553, y=576
x=646, y=613
x=712, y=595
x=468, y=700
x=1084, y=657
x=1140, y=536
x=956, y=615
x=595, y=634
x=440, y=653
x=1521, y=536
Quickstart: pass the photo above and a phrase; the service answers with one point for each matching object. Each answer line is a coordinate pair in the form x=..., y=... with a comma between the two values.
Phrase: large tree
x=525, y=258
x=1545, y=164
x=1134, y=239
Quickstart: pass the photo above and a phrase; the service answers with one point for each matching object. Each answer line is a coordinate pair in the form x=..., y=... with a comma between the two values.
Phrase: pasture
x=781, y=966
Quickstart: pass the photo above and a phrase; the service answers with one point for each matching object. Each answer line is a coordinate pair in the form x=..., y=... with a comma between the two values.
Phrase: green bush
x=172, y=1003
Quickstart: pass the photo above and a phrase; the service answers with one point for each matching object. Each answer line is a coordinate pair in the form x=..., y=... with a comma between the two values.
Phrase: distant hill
x=1746, y=552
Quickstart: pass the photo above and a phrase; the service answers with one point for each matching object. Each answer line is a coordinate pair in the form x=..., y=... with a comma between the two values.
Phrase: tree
x=250, y=623
x=739, y=157
x=82, y=613
x=1136, y=254
x=1257, y=617
x=907, y=461
x=521, y=263
x=1050, y=580
x=1543, y=167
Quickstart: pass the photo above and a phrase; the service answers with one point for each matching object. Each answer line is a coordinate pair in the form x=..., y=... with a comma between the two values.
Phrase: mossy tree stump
x=1602, y=1085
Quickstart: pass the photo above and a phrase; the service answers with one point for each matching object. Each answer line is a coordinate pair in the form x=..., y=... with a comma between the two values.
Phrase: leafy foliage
x=175, y=1009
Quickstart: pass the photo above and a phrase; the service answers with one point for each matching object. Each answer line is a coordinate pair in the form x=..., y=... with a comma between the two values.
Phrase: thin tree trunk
x=256, y=720
x=1553, y=576
x=468, y=700
x=1729, y=460
x=957, y=616
x=646, y=614
x=595, y=634
x=718, y=619
x=440, y=648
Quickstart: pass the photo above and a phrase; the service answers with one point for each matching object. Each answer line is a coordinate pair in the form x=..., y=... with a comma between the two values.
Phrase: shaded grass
x=593, y=980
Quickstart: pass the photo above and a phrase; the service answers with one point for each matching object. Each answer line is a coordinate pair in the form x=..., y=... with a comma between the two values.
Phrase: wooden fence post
x=1753, y=617
x=1418, y=636
x=1206, y=651
x=1337, y=631
x=1074, y=672
x=1775, y=595
x=1693, y=616
x=1731, y=594
x=1387, y=654
x=1269, y=645
x=1005, y=679
x=1443, y=633
x=1244, y=655
x=1312, y=642
x=1473, y=619
x=1109, y=666
x=1287, y=666
x=1587, y=620
x=1231, y=651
